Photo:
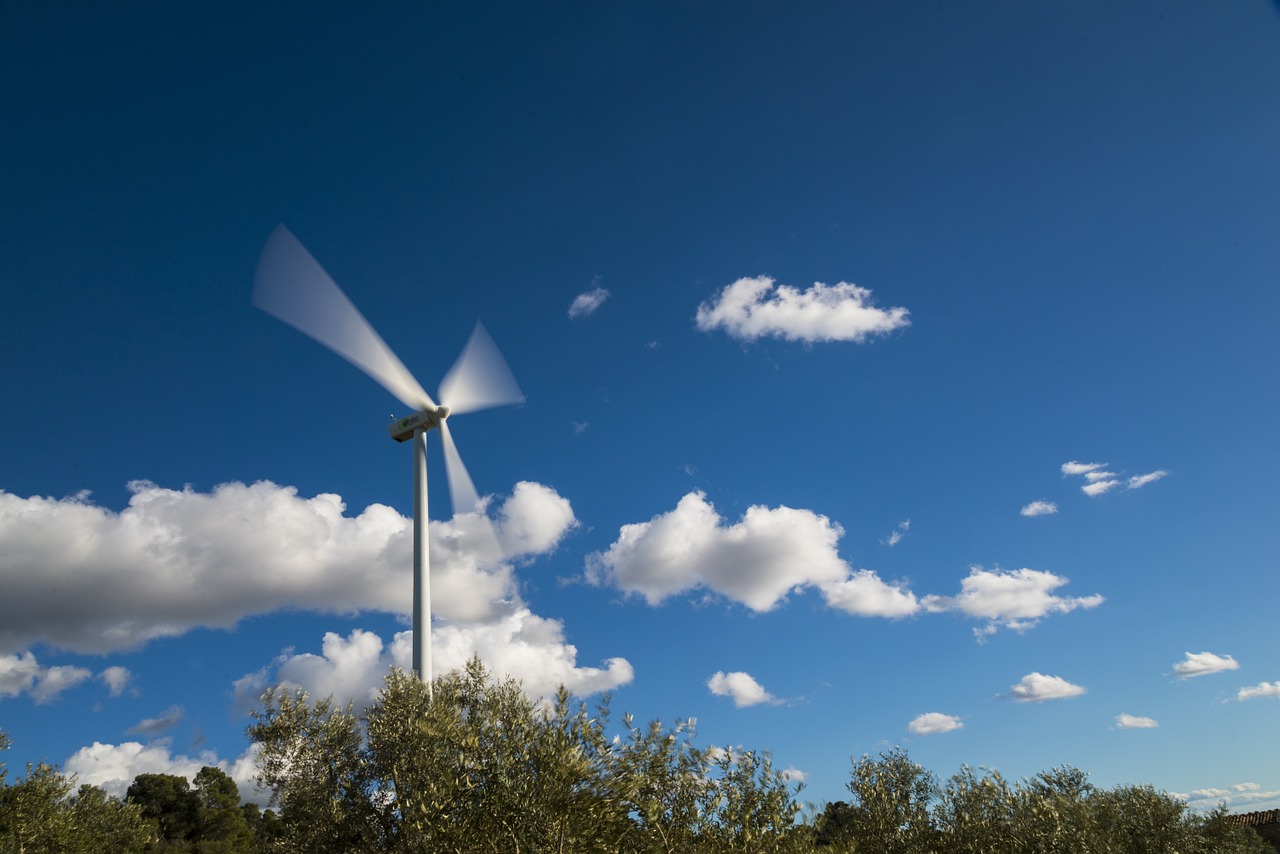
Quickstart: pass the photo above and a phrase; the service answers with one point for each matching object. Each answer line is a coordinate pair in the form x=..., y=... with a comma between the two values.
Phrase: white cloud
x=1098, y=487
x=931, y=723
x=114, y=766
x=91, y=580
x=1075, y=468
x=168, y=719
x=1125, y=721
x=1241, y=797
x=865, y=594
x=1204, y=663
x=1037, y=688
x=521, y=644
x=1039, y=508
x=756, y=561
x=23, y=674
x=741, y=687
x=1016, y=599
x=116, y=678
x=1139, y=481
x=770, y=553
x=1262, y=689
x=752, y=308
x=896, y=536
x=793, y=775
x=1101, y=480
x=586, y=303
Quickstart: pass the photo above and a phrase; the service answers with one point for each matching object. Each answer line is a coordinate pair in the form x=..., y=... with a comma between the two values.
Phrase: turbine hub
x=442, y=412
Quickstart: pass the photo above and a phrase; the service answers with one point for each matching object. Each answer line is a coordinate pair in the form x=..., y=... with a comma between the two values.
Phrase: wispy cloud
x=586, y=303
x=754, y=308
x=1098, y=487
x=116, y=679
x=1239, y=797
x=1039, y=508
x=1075, y=468
x=1142, y=480
x=741, y=687
x=898, y=533
x=1039, y=688
x=1101, y=481
x=932, y=723
x=1262, y=689
x=1125, y=721
x=1203, y=664
x=168, y=719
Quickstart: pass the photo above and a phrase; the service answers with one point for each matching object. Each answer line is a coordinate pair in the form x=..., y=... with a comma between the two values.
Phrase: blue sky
x=810, y=308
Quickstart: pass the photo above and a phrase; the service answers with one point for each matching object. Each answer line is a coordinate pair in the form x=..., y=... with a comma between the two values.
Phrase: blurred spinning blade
x=291, y=285
x=480, y=378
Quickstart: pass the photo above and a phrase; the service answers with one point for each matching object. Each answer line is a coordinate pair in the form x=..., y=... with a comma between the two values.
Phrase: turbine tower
x=291, y=285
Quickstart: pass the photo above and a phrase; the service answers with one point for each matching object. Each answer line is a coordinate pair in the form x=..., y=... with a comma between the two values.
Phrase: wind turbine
x=291, y=285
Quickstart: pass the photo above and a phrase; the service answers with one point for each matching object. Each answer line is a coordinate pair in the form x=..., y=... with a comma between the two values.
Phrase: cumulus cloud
x=1204, y=663
x=1262, y=689
x=1038, y=688
x=530, y=648
x=168, y=719
x=865, y=594
x=1016, y=599
x=756, y=561
x=586, y=303
x=113, y=766
x=1098, y=487
x=89, y=579
x=23, y=674
x=1039, y=508
x=753, y=308
x=772, y=552
x=1124, y=721
x=741, y=687
x=791, y=774
x=931, y=723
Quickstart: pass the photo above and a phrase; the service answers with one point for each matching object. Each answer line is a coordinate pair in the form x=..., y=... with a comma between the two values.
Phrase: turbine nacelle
x=402, y=429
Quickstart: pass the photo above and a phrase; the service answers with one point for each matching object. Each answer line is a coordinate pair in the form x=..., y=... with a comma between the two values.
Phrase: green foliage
x=40, y=814
x=899, y=808
x=478, y=766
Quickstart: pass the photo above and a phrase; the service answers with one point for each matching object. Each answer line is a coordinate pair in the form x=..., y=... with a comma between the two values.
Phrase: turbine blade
x=462, y=491
x=480, y=378
x=292, y=285
x=486, y=547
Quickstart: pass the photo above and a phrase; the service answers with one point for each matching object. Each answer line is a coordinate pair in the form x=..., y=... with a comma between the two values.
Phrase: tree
x=478, y=766
x=313, y=760
x=891, y=799
x=223, y=827
x=168, y=799
x=39, y=813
